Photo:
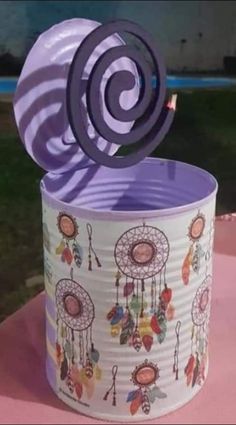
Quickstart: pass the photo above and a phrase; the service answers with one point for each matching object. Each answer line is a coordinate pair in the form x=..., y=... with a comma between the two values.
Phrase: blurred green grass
x=203, y=133
x=20, y=218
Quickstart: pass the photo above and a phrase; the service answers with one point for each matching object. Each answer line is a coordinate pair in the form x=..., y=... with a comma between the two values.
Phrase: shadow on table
x=22, y=357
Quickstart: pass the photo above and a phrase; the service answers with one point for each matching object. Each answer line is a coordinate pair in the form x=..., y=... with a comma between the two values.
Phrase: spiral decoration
x=156, y=115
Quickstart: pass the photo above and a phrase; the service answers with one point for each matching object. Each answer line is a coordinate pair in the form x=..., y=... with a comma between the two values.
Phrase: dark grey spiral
x=151, y=106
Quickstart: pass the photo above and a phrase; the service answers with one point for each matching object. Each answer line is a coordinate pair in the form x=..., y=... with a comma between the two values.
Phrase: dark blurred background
x=197, y=39
x=196, y=36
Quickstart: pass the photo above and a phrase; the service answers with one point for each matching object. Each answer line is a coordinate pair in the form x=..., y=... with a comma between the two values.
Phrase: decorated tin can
x=128, y=253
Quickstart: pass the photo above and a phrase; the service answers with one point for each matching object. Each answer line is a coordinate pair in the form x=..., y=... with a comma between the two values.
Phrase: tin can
x=128, y=273
x=127, y=253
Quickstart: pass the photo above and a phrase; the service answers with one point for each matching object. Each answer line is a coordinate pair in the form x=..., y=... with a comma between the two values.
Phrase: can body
x=128, y=274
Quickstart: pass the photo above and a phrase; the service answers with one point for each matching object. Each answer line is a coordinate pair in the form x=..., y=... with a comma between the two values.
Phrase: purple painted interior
x=152, y=187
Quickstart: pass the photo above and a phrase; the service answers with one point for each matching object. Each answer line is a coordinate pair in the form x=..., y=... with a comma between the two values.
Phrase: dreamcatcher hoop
x=201, y=303
x=74, y=305
x=145, y=374
x=141, y=252
x=197, y=227
x=67, y=226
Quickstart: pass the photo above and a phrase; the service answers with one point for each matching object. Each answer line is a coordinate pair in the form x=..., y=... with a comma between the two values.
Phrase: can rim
x=130, y=215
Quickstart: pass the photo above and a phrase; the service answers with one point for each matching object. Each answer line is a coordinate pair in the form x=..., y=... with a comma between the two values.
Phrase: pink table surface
x=26, y=398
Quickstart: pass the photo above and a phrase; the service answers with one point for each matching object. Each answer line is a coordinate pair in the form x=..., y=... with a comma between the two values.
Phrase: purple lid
x=40, y=98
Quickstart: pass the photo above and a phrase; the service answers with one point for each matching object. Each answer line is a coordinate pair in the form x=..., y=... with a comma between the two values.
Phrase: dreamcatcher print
x=144, y=377
x=195, y=368
x=195, y=252
x=69, y=249
x=77, y=357
x=112, y=387
x=141, y=254
x=91, y=250
x=176, y=352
